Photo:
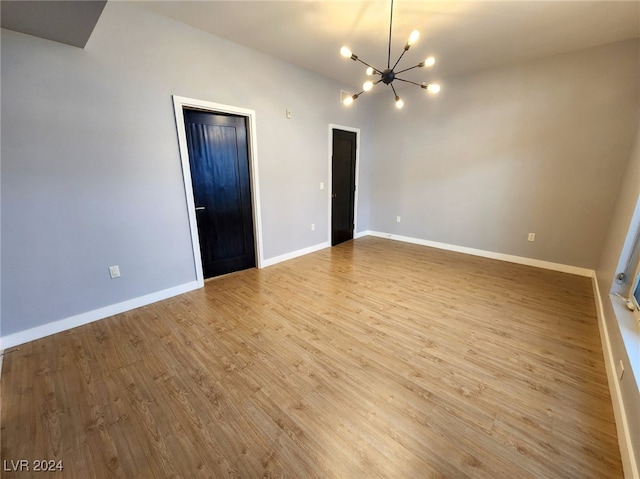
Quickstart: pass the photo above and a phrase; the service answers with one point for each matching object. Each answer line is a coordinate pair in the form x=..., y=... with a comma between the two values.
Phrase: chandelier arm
x=399, y=58
x=421, y=64
x=374, y=68
x=353, y=97
x=394, y=90
x=390, y=24
x=375, y=83
x=408, y=81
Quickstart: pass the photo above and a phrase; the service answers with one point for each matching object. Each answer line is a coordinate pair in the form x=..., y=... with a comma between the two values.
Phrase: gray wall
x=610, y=263
x=90, y=165
x=535, y=147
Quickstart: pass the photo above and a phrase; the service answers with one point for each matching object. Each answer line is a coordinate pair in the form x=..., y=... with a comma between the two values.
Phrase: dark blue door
x=343, y=188
x=219, y=162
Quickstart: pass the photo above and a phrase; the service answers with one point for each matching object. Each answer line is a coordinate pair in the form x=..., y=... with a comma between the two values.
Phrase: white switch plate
x=531, y=237
x=313, y=226
x=288, y=114
x=398, y=219
x=322, y=185
x=114, y=271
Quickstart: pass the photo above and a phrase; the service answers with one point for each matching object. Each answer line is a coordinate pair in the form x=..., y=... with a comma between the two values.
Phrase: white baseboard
x=294, y=254
x=564, y=268
x=622, y=424
x=38, y=332
x=54, y=327
x=48, y=329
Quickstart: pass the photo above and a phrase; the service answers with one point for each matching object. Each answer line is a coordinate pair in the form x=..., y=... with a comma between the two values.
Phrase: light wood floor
x=373, y=359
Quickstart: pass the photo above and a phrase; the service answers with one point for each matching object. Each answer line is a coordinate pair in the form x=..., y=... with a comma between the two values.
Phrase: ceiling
x=463, y=36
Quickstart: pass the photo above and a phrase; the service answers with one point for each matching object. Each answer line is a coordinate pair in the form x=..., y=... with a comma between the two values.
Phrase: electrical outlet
x=620, y=369
x=114, y=271
x=288, y=112
x=531, y=237
x=313, y=226
x=398, y=219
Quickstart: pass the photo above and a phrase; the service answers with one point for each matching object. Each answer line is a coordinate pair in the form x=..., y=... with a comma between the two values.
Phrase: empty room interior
x=296, y=239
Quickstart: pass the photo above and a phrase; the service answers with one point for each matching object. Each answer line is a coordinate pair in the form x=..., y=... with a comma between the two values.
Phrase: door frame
x=333, y=126
x=179, y=103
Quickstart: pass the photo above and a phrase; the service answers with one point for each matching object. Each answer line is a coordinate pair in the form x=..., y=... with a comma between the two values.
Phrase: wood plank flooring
x=372, y=359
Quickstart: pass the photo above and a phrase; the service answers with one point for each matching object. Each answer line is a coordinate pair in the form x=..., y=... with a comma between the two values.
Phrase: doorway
x=219, y=164
x=343, y=185
x=220, y=172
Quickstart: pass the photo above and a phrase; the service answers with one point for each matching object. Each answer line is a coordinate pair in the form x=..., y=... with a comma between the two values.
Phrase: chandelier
x=389, y=74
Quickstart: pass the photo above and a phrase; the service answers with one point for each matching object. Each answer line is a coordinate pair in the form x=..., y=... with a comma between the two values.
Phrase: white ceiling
x=464, y=36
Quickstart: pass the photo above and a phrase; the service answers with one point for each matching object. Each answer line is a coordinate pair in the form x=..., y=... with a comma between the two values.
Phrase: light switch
x=114, y=271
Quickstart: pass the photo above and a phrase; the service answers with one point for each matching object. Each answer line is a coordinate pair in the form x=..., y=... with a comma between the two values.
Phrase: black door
x=343, y=186
x=219, y=161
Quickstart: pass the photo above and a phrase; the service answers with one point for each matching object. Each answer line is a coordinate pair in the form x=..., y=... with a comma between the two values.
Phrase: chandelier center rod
x=390, y=26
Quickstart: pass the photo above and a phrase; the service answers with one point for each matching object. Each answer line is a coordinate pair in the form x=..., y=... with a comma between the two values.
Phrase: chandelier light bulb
x=413, y=37
x=429, y=62
x=348, y=101
x=345, y=52
x=433, y=88
x=368, y=85
x=370, y=71
x=399, y=102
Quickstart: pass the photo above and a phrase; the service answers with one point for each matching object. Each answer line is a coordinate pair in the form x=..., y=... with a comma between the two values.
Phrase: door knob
x=199, y=208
